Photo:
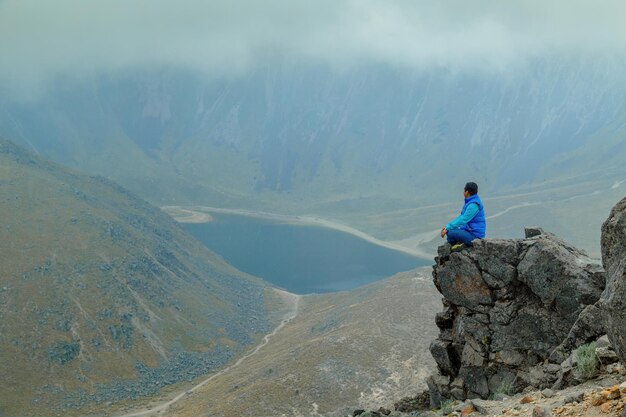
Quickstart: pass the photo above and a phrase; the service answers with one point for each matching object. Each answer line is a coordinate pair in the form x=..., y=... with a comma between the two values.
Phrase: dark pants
x=460, y=236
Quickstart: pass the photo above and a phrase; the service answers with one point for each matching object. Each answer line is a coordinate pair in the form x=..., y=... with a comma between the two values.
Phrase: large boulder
x=509, y=304
x=613, y=302
x=589, y=326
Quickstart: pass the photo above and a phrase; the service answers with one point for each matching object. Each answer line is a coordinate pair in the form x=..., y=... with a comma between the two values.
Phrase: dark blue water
x=300, y=259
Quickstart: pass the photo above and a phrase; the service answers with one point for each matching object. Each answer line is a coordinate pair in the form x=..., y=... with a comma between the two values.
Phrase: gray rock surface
x=606, y=355
x=424, y=414
x=511, y=306
x=603, y=342
x=485, y=407
x=420, y=402
x=613, y=302
x=588, y=327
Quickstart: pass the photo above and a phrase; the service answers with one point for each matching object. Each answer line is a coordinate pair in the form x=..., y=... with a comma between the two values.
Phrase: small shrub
x=586, y=360
x=63, y=352
x=505, y=388
x=447, y=406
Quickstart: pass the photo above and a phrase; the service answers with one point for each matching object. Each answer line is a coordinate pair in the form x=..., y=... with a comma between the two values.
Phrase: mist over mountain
x=287, y=128
x=224, y=38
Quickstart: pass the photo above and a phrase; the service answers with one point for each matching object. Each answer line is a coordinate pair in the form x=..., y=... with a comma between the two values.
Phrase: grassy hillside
x=103, y=297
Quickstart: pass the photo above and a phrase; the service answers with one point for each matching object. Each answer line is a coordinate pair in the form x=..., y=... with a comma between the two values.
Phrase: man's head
x=471, y=188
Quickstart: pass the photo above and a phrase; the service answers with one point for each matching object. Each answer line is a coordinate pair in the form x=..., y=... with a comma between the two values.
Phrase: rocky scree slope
x=514, y=310
x=104, y=297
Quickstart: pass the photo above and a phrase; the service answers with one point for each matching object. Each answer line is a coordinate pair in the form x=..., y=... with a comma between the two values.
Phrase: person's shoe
x=457, y=247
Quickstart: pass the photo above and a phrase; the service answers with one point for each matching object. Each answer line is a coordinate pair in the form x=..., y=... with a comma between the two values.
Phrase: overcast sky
x=39, y=38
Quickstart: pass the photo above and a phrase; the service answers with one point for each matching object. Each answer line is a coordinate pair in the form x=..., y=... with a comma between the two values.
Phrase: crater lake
x=302, y=259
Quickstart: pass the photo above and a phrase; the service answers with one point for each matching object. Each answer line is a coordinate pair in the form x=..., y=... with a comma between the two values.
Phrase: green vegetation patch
x=586, y=360
x=447, y=406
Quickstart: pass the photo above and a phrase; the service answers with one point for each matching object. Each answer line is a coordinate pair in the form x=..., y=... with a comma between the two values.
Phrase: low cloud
x=39, y=39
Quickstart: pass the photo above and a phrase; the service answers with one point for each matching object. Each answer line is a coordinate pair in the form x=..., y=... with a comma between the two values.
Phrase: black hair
x=471, y=187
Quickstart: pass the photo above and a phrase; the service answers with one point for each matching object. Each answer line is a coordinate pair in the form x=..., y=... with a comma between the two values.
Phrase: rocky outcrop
x=511, y=307
x=588, y=327
x=613, y=302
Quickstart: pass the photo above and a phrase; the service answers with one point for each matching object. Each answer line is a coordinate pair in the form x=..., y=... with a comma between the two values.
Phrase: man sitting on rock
x=470, y=224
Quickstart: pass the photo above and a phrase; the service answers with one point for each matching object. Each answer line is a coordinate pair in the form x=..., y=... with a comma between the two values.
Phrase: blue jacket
x=472, y=218
x=477, y=225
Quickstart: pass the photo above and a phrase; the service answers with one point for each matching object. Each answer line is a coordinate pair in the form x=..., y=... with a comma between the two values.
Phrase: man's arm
x=464, y=218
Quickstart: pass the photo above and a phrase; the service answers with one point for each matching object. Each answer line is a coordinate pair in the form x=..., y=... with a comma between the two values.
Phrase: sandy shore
x=183, y=215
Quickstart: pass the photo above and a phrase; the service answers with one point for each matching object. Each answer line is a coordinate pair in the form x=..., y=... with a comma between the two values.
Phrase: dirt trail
x=292, y=299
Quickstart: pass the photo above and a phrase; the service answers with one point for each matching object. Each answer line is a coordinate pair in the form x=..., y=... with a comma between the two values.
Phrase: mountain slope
x=104, y=297
x=343, y=351
x=309, y=135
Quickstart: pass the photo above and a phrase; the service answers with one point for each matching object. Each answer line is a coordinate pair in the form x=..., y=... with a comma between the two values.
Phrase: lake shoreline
x=183, y=213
